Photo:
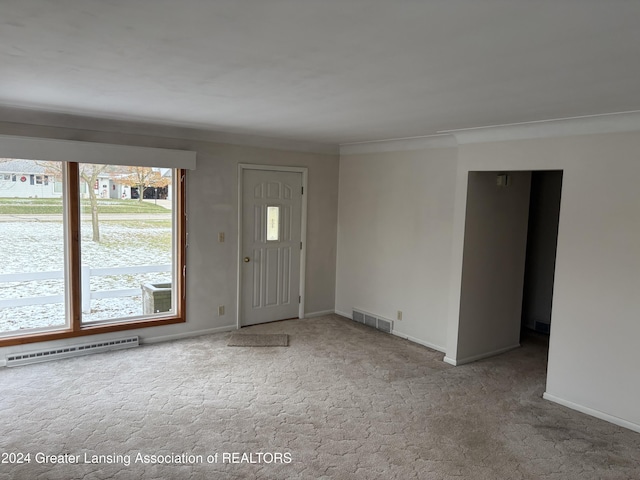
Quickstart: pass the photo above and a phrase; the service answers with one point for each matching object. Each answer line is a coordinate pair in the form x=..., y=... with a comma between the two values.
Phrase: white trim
x=179, y=336
x=450, y=361
x=430, y=345
x=399, y=144
x=480, y=356
x=592, y=412
x=33, y=148
x=321, y=313
x=116, y=335
x=561, y=127
x=157, y=128
x=303, y=233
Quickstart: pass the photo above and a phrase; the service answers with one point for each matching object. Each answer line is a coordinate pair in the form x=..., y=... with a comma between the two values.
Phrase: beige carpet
x=343, y=401
x=258, y=340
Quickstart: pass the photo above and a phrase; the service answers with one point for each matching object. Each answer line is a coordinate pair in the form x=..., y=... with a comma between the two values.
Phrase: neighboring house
x=28, y=179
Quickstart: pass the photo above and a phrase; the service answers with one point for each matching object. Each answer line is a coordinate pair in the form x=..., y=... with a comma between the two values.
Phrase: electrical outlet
x=221, y=310
x=221, y=237
x=399, y=316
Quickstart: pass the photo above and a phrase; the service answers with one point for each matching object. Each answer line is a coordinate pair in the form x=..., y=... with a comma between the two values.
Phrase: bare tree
x=89, y=173
x=143, y=178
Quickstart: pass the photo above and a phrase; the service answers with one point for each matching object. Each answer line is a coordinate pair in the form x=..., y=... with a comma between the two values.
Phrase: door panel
x=271, y=231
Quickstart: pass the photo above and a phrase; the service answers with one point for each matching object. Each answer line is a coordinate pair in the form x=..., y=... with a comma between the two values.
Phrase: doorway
x=542, y=240
x=272, y=223
x=494, y=258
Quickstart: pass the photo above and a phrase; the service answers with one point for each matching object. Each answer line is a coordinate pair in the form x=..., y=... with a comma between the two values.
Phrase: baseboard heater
x=371, y=320
x=16, y=359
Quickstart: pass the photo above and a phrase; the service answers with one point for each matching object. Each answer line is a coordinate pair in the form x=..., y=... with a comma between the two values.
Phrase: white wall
x=212, y=203
x=394, y=237
x=495, y=243
x=594, y=354
x=401, y=238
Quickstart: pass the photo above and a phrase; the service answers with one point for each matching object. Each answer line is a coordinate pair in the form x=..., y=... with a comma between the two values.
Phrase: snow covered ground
x=38, y=247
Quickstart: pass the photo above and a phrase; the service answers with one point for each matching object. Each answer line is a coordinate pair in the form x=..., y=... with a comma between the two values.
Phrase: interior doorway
x=542, y=240
x=495, y=255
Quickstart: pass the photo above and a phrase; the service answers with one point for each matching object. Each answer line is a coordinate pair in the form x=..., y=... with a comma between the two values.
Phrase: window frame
x=73, y=299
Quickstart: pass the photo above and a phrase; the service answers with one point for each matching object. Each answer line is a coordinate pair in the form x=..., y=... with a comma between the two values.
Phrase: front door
x=270, y=246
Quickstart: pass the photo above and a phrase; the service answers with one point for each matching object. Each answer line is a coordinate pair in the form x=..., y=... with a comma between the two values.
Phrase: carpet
x=258, y=340
x=342, y=401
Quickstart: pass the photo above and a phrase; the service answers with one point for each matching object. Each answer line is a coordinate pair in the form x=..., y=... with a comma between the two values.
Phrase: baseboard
x=343, y=314
x=179, y=336
x=432, y=346
x=319, y=314
x=475, y=358
x=592, y=412
x=450, y=361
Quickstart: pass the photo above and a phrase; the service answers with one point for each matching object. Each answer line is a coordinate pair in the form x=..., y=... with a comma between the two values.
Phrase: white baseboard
x=474, y=358
x=319, y=314
x=592, y=412
x=178, y=336
x=450, y=361
x=430, y=345
x=343, y=314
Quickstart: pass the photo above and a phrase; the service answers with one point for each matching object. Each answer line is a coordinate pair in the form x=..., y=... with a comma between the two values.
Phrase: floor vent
x=371, y=320
x=16, y=359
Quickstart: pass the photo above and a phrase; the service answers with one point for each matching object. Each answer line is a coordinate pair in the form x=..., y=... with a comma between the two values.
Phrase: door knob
x=247, y=259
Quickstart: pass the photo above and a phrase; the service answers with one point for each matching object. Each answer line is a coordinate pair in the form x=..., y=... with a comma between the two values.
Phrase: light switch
x=221, y=237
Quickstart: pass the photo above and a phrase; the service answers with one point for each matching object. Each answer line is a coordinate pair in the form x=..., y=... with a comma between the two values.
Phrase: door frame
x=303, y=234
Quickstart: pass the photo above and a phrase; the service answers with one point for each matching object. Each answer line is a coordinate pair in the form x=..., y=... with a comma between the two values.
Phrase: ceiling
x=331, y=71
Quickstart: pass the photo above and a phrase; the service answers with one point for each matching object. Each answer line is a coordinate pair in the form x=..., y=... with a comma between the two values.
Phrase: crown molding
x=28, y=116
x=562, y=127
x=399, y=144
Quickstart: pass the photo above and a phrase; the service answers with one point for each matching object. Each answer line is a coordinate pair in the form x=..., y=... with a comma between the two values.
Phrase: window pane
x=127, y=242
x=273, y=224
x=32, y=288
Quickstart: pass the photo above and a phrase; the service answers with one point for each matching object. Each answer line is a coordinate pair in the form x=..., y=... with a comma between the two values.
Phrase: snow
x=38, y=247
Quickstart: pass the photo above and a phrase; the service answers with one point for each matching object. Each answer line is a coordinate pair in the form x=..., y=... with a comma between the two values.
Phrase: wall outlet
x=221, y=237
x=399, y=316
x=221, y=310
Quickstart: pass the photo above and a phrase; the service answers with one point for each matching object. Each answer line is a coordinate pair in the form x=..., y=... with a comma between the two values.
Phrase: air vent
x=371, y=320
x=16, y=359
x=384, y=325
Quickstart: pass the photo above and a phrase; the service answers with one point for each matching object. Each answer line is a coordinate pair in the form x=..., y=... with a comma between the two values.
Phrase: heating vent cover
x=384, y=325
x=15, y=359
x=371, y=320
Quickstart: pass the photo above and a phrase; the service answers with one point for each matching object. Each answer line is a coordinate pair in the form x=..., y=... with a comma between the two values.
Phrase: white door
x=271, y=244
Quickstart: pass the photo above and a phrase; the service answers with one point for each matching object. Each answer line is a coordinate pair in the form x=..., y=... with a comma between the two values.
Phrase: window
x=32, y=283
x=273, y=224
x=124, y=261
x=71, y=212
x=124, y=271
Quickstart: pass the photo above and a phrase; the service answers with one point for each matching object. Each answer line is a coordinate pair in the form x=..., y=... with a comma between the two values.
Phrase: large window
x=89, y=248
